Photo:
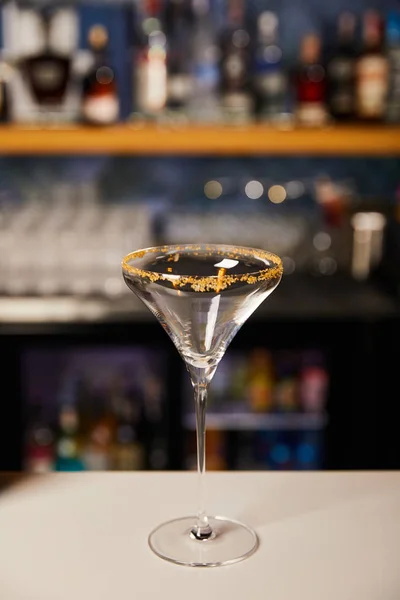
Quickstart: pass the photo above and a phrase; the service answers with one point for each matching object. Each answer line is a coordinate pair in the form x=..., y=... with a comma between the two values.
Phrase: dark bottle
x=100, y=101
x=341, y=71
x=236, y=97
x=310, y=83
x=178, y=23
x=393, y=54
x=269, y=80
x=47, y=73
x=39, y=446
x=68, y=446
x=372, y=71
x=127, y=454
x=150, y=64
x=4, y=100
x=96, y=454
x=204, y=104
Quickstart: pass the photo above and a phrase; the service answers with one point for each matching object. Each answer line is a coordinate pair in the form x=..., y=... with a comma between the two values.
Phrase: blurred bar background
x=261, y=123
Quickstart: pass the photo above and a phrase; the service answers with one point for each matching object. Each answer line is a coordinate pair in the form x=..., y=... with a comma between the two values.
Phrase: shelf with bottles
x=264, y=390
x=102, y=408
x=164, y=69
x=165, y=140
x=266, y=410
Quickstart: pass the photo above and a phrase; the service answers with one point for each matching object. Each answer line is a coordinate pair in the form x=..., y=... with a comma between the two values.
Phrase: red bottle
x=310, y=83
x=313, y=389
x=100, y=102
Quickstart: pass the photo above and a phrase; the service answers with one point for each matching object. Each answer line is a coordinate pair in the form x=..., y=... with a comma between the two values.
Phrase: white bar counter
x=323, y=536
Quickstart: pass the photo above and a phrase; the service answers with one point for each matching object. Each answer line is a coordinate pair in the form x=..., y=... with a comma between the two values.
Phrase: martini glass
x=201, y=295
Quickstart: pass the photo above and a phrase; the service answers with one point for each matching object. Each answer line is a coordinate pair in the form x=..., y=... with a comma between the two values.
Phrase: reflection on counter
x=94, y=409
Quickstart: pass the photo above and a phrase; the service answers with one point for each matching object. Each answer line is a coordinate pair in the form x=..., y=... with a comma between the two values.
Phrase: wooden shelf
x=189, y=140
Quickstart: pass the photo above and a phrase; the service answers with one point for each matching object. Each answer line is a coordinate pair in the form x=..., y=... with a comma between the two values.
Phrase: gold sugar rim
x=201, y=283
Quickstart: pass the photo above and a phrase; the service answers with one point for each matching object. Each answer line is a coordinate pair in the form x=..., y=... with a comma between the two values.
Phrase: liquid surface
x=201, y=266
x=202, y=295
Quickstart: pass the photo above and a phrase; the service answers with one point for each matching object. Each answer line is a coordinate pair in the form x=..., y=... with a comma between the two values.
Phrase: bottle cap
x=68, y=418
x=152, y=7
x=98, y=37
x=347, y=24
x=373, y=27
x=268, y=22
x=311, y=48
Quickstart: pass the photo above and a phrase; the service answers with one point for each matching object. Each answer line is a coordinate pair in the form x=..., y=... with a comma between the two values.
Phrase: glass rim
x=207, y=283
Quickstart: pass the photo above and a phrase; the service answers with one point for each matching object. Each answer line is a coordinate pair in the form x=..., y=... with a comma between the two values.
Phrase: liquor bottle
x=313, y=386
x=263, y=442
x=68, y=445
x=178, y=23
x=236, y=97
x=332, y=201
x=204, y=104
x=310, y=83
x=341, y=71
x=269, y=80
x=282, y=452
x=260, y=381
x=372, y=71
x=286, y=388
x=96, y=454
x=309, y=451
x=48, y=72
x=39, y=446
x=397, y=205
x=100, y=102
x=127, y=453
x=245, y=455
x=150, y=68
x=236, y=386
x=393, y=53
x=216, y=450
x=107, y=407
x=4, y=99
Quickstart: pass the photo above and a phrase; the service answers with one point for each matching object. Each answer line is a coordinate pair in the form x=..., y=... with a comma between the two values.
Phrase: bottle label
x=393, y=101
x=151, y=84
x=238, y=102
x=234, y=67
x=394, y=59
x=342, y=102
x=179, y=87
x=206, y=76
x=96, y=461
x=40, y=465
x=66, y=448
x=271, y=84
x=47, y=75
x=341, y=69
x=372, y=86
x=103, y=110
x=312, y=114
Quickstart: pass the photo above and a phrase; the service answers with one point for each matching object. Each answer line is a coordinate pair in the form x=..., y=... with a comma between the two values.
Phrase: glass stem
x=202, y=529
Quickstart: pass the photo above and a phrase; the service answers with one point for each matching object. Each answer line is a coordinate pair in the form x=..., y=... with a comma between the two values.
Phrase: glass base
x=231, y=543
